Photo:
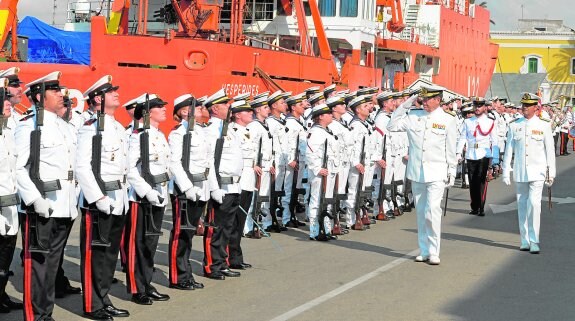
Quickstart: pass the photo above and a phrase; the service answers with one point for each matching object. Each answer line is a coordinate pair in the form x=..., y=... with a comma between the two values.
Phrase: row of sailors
x=66, y=158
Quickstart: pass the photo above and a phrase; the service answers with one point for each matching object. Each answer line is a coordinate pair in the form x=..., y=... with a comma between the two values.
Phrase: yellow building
x=540, y=51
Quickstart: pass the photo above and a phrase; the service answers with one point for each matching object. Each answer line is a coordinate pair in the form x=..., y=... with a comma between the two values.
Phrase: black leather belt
x=230, y=180
x=9, y=200
x=199, y=177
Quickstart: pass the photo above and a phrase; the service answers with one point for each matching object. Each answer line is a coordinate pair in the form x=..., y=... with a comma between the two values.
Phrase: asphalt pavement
x=371, y=275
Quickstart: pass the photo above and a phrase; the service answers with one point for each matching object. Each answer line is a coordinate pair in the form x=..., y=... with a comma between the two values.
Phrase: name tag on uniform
x=536, y=132
x=438, y=126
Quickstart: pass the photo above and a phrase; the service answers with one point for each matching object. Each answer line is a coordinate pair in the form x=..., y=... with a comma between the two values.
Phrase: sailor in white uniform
x=319, y=138
x=531, y=140
x=225, y=190
x=15, y=89
x=55, y=207
x=431, y=167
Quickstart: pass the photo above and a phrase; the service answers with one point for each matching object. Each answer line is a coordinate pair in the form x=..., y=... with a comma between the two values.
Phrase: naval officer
x=432, y=134
x=531, y=140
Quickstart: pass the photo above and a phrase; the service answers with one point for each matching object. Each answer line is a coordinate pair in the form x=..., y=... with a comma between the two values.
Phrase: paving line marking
x=331, y=294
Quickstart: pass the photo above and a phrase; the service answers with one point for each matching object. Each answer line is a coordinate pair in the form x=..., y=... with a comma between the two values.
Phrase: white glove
x=450, y=181
x=193, y=193
x=104, y=205
x=549, y=181
x=218, y=195
x=506, y=180
x=153, y=197
x=42, y=207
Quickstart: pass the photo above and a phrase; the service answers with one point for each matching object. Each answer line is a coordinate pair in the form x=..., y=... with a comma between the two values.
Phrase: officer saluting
x=432, y=134
x=527, y=138
x=103, y=199
x=47, y=190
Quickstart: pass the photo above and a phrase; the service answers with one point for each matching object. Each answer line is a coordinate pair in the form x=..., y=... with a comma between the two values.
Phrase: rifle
x=274, y=207
x=2, y=119
x=185, y=223
x=97, y=238
x=549, y=192
x=257, y=203
x=382, y=188
x=150, y=227
x=34, y=243
x=337, y=230
x=295, y=192
x=322, y=201
x=357, y=207
x=445, y=203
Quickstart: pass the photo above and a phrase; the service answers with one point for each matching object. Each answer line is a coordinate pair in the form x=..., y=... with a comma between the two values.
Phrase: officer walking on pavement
x=531, y=141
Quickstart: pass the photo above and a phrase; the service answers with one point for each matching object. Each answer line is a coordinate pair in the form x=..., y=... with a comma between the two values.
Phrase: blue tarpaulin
x=47, y=44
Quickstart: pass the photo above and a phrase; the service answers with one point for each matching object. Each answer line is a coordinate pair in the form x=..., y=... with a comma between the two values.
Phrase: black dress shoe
x=474, y=212
x=100, y=314
x=481, y=213
x=141, y=299
x=230, y=273
x=115, y=312
x=114, y=281
x=11, y=304
x=215, y=276
x=237, y=267
x=196, y=285
x=246, y=265
x=68, y=289
x=181, y=286
x=157, y=296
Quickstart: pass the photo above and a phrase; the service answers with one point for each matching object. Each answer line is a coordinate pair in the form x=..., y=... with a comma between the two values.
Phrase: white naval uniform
x=13, y=120
x=381, y=121
x=531, y=141
x=479, y=145
x=501, y=125
x=58, y=158
x=314, y=158
x=114, y=164
x=159, y=152
x=249, y=151
x=200, y=161
x=296, y=135
x=279, y=131
x=231, y=164
x=359, y=130
x=8, y=214
x=432, y=160
x=259, y=130
x=345, y=143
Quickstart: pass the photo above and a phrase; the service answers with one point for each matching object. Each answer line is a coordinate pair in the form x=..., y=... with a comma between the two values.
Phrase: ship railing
x=84, y=10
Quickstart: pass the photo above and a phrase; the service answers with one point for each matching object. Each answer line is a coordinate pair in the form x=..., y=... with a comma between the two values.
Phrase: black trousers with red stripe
x=235, y=249
x=564, y=141
x=477, y=171
x=217, y=235
x=40, y=269
x=180, y=243
x=98, y=263
x=141, y=249
x=7, y=247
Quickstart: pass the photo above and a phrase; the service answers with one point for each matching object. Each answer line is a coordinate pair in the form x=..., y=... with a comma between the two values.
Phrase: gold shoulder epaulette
x=449, y=112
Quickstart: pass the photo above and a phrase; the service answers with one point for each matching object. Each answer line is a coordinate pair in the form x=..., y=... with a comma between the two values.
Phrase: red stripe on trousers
x=88, y=264
x=28, y=309
x=174, y=256
x=132, y=248
x=207, y=247
x=122, y=249
x=228, y=252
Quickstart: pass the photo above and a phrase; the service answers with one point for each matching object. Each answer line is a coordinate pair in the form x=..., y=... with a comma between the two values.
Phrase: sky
x=504, y=13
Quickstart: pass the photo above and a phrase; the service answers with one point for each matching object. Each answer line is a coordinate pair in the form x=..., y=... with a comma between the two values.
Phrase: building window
x=326, y=8
x=532, y=65
x=348, y=8
x=572, y=66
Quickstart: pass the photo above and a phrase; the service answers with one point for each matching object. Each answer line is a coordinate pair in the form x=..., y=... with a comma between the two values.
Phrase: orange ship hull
x=174, y=67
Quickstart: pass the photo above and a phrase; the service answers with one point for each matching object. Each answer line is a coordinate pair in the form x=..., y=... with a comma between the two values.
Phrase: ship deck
x=371, y=275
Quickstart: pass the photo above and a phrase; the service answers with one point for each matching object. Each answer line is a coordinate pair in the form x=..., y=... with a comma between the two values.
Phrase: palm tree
x=482, y=4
